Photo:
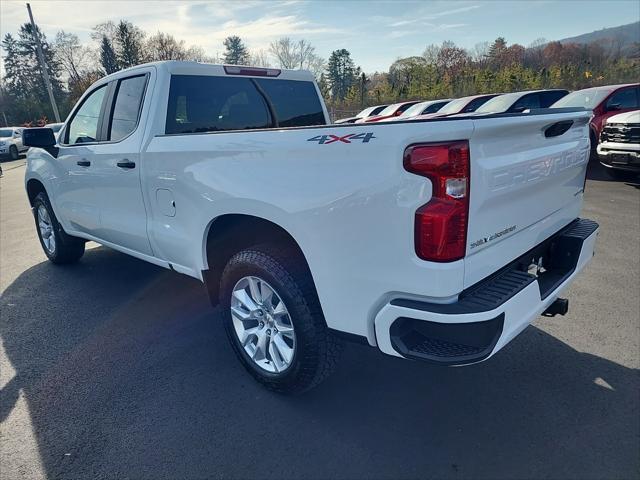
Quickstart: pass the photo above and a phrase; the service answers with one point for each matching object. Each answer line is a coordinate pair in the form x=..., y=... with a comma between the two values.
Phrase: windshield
x=55, y=127
x=499, y=104
x=5, y=133
x=390, y=110
x=365, y=113
x=415, y=110
x=588, y=99
x=454, y=106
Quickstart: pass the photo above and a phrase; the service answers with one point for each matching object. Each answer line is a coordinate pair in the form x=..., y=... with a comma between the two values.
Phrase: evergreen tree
x=108, y=58
x=129, y=40
x=236, y=53
x=342, y=74
x=23, y=82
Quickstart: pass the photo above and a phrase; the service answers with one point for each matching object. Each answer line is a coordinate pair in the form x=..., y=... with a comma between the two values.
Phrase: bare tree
x=296, y=55
x=104, y=29
x=163, y=46
x=74, y=58
x=197, y=54
x=259, y=58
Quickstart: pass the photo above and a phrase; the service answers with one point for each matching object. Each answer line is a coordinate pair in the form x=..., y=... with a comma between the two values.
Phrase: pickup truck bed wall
x=341, y=192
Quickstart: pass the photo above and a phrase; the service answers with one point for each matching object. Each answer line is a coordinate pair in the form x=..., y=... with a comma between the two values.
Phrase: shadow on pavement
x=596, y=171
x=127, y=374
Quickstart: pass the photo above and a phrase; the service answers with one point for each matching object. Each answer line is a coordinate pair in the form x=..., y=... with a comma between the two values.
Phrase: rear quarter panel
x=348, y=203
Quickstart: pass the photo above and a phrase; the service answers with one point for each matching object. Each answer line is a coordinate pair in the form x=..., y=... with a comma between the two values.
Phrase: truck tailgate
x=525, y=185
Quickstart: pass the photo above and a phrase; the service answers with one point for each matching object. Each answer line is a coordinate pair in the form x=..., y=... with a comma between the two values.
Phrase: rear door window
x=295, y=103
x=126, y=108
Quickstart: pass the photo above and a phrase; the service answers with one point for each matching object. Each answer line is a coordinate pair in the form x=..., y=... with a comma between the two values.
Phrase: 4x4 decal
x=327, y=139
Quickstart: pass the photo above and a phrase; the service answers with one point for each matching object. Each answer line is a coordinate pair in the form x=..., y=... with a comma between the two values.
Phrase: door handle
x=126, y=164
x=84, y=162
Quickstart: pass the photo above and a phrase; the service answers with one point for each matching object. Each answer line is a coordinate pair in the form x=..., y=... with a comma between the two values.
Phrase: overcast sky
x=375, y=32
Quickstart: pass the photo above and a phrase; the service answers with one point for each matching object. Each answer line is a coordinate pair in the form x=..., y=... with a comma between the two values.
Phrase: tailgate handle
x=557, y=128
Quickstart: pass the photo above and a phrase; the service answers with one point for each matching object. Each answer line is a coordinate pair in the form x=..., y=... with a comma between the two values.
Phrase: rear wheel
x=59, y=247
x=13, y=152
x=274, y=322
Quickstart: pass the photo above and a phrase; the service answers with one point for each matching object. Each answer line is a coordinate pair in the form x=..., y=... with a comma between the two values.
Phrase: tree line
x=442, y=71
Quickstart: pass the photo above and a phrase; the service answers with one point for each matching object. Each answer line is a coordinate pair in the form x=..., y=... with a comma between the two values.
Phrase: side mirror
x=398, y=113
x=519, y=109
x=40, y=138
x=612, y=107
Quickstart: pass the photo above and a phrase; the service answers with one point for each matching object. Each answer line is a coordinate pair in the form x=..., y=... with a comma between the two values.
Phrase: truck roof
x=177, y=67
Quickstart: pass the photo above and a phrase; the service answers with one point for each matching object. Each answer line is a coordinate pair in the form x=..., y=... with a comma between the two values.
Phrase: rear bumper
x=491, y=313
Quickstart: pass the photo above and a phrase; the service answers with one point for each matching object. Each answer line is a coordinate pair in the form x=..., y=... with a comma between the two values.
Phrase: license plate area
x=620, y=158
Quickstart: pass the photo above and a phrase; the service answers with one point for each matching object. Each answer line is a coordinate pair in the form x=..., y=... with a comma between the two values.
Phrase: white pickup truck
x=437, y=240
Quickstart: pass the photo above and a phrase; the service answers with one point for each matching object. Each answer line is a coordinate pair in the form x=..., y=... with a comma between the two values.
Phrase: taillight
x=441, y=224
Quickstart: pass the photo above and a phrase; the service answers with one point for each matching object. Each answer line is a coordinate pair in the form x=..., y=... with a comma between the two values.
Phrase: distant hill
x=624, y=35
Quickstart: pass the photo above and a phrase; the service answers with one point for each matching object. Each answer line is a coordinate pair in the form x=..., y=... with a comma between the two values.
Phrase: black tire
x=593, y=153
x=13, y=152
x=317, y=349
x=67, y=249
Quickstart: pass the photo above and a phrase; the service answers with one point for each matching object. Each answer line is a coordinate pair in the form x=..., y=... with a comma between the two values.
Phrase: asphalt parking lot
x=114, y=368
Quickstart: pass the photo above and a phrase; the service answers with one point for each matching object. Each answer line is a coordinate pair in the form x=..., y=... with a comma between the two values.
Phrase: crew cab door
x=115, y=167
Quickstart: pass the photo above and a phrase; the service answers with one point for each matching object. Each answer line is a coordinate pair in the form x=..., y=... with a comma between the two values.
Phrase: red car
x=604, y=102
x=460, y=105
x=394, y=110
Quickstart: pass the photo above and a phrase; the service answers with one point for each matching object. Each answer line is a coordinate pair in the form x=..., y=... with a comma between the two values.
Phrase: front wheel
x=13, y=152
x=273, y=319
x=59, y=247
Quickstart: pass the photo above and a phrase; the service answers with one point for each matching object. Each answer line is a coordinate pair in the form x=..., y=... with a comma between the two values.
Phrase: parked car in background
x=604, y=102
x=459, y=105
x=393, y=110
x=422, y=108
x=11, y=142
x=367, y=112
x=55, y=127
x=520, y=101
x=619, y=147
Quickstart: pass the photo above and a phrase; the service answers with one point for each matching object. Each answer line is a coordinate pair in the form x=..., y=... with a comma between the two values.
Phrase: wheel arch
x=34, y=187
x=230, y=233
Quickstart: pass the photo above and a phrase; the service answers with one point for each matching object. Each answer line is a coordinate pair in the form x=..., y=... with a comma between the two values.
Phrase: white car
x=11, y=142
x=434, y=240
x=422, y=108
x=619, y=147
x=367, y=112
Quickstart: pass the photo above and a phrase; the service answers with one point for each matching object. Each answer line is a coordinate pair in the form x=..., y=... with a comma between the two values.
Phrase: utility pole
x=43, y=66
